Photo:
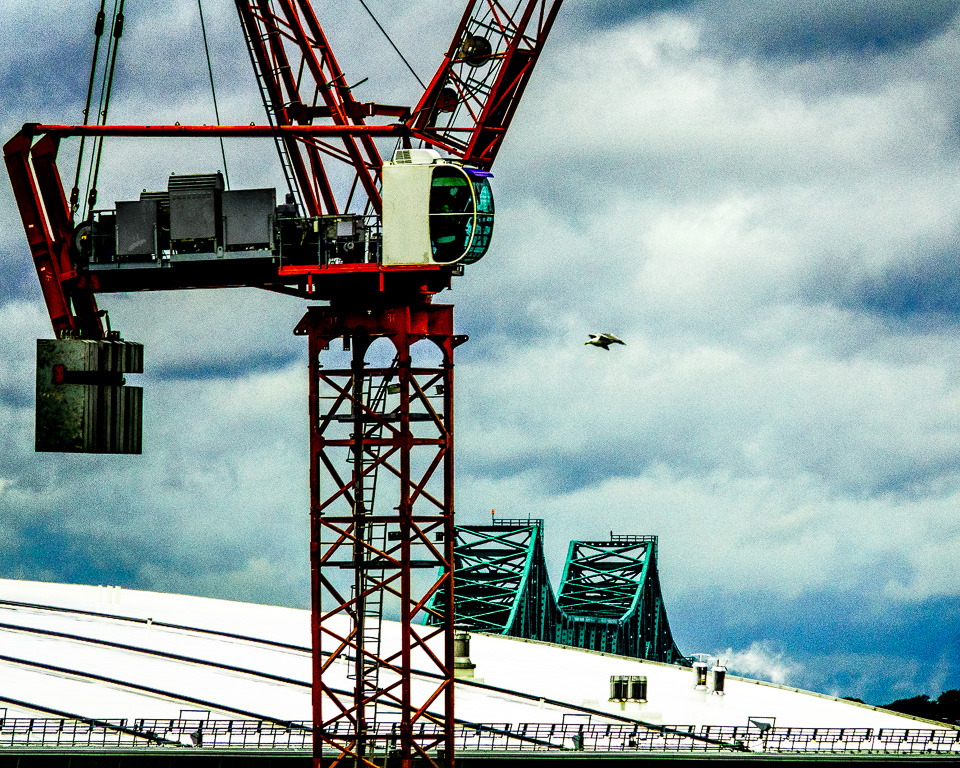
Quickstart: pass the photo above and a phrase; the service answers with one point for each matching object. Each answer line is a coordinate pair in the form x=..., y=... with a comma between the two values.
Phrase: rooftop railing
x=30, y=733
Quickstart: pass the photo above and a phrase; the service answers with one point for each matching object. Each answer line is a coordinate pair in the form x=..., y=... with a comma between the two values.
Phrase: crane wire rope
x=402, y=57
x=103, y=84
x=399, y=143
x=105, y=92
x=213, y=90
x=98, y=33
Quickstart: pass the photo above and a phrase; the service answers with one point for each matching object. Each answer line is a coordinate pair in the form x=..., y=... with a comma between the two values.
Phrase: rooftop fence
x=29, y=733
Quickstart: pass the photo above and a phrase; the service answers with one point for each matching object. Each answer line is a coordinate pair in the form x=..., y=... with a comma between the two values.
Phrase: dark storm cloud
x=920, y=290
x=58, y=81
x=566, y=471
x=254, y=361
x=15, y=396
x=497, y=323
x=832, y=635
x=19, y=279
x=774, y=29
x=160, y=61
x=929, y=290
x=799, y=31
x=605, y=13
x=45, y=550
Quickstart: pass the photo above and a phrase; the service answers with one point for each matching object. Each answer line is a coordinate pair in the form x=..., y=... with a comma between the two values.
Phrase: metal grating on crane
x=609, y=598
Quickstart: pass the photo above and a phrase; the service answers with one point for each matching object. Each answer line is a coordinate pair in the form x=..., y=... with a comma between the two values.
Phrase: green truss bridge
x=609, y=598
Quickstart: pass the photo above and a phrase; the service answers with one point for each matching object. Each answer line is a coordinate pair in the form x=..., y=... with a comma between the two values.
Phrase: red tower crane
x=377, y=252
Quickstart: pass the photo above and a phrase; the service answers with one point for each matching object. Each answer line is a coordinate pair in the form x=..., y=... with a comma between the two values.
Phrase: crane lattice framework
x=377, y=248
x=609, y=598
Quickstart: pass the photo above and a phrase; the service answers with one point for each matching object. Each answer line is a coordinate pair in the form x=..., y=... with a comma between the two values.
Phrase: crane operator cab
x=434, y=211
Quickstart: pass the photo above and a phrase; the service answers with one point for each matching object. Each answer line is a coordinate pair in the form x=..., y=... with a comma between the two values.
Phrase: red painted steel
x=49, y=229
x=281, y=30
x=464, y=112
x=37, y=129
x=478, y=90
x=392, y=549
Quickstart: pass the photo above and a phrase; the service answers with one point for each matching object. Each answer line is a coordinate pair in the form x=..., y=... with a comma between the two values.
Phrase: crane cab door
x=438, y=213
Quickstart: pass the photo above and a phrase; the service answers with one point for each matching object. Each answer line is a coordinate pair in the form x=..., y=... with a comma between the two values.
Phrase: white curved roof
x=169, y=653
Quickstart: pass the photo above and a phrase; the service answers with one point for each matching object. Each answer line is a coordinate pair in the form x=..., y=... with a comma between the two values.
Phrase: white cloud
x=761, y=661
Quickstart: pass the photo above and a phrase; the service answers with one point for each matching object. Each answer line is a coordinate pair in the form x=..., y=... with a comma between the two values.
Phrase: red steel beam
x=48, y=225
x=261, y=29
x=37, y=129
x=484, y=94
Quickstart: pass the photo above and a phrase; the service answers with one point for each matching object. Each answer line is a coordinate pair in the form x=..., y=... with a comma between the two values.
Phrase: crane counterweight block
x=83, y=405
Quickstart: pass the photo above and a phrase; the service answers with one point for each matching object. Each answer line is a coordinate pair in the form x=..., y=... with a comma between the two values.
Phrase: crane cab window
x=451, y=213
x=483, y=227
x=461, y=214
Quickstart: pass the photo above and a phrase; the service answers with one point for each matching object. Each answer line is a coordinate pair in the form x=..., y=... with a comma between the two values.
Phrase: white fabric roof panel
x=576, y=678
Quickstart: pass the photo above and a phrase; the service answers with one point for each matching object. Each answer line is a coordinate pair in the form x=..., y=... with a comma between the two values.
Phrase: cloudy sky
x=759, y=196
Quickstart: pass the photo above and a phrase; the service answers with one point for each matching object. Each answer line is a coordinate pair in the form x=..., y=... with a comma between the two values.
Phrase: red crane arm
x=479, y=84
x=49, y=228
x=301, y=81
x=465, y=111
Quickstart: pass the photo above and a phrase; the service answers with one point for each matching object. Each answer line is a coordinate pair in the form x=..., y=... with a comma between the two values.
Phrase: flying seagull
x=604, y=340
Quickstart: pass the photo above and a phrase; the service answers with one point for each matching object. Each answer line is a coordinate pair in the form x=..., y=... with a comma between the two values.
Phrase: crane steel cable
x=98, y=33
x=402, y=57
x=105, y=101
x=103, y=86
x=213, y=89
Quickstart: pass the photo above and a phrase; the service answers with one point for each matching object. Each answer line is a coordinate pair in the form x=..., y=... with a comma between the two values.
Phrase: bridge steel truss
x=502, y=584
x=609, y=598
x=390, y=426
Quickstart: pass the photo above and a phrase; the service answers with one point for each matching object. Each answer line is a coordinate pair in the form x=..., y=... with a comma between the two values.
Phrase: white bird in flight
x=604, y=340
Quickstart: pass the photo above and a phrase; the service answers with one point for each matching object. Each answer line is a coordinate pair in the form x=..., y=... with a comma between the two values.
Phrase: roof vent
x=416, y=156
x=462, y=666
x=719, y=678
x=700, y=675
x=628, y=688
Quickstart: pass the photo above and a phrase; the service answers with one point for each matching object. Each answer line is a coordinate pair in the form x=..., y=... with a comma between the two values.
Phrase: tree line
x=945, y=708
